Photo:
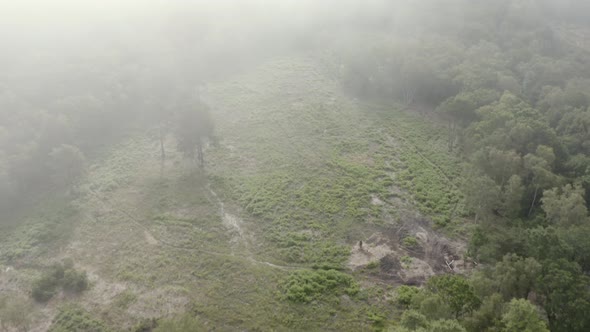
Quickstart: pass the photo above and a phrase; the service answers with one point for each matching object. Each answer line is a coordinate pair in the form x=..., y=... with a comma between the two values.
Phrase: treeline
x=514, y=88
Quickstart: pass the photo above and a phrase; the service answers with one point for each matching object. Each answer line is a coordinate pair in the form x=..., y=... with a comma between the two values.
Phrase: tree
x=565, y=297
x=565, y=206
x=482, y=195
x=544, y=243
x=516, y=276
x=539, y=167
x=500, y=165
x=413, y=320
x=523, y=316
x=488, y=316
x=434, y=306
x=456, y=110
x=577, y=237
x=460, y=110
x=405, y=294
x=511, y=197
x=456, y=291
x=194, y=127
x=67, y=163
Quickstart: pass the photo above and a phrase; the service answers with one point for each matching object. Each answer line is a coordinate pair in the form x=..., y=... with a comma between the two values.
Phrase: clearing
x=301, y=174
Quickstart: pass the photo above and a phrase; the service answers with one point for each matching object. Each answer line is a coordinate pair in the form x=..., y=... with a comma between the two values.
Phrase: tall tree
x=523, y=316
x=540, y=168
x=193, y=129
x=482, y=195
x=565, y=206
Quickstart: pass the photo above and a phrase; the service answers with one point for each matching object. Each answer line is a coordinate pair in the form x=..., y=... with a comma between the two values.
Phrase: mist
x=294, y=165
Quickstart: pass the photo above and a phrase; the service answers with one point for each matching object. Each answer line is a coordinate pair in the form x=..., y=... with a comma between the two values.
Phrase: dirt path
x=228, y=219
x=232, y=222
x=235, y=224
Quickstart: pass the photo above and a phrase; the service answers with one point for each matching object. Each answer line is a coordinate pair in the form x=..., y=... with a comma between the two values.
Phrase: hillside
x=301, y=173
x=295, y=165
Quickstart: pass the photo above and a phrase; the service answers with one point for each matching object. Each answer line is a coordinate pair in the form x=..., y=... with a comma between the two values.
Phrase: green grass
x=424, y=167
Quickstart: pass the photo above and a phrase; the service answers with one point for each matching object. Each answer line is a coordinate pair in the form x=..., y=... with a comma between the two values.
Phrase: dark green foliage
x=516, y=276
x=566, y=299
x=61, y=275
x=405, y=294
x=456, y=291
x=74, y=281
x=306, y=286
x=44, y=288
x=523, y=316
x=413, y=320
x=488, y=316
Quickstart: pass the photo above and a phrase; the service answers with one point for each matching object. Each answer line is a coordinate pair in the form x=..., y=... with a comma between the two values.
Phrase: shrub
x=305, y=286
x=373, y=265
x=405, y=294
x=59, y=275
x=406, y=261
x=75, y=281
x=413, y=320
x=44, y=288
x=410, y=242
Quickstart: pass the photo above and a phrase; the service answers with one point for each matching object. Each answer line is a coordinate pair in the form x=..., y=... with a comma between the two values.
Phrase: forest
x=295, y=166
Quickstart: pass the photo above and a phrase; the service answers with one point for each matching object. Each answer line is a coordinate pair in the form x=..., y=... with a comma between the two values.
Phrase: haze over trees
x=437, y=132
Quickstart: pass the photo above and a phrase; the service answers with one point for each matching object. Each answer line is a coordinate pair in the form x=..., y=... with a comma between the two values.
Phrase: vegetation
x=75, y=319
x=395, y=165
x=60, y=275
x=180, y=324
x=305, y=286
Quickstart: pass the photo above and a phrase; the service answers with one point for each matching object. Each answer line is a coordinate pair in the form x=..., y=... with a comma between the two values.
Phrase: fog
x=305, y=165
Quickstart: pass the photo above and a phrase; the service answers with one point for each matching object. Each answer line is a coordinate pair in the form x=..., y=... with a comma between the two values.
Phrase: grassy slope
x=296, y=169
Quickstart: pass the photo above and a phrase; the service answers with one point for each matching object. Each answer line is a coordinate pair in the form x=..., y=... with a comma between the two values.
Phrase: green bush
x=410, y=242
x=413, y=320
x=59, y=275
x=306, y=286
x=44, y=288
x=406, y=261
x=75, y=281
x=373, y=265
x=405, y=294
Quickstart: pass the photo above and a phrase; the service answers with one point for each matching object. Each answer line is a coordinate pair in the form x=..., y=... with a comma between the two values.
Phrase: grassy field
x=261, y=238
